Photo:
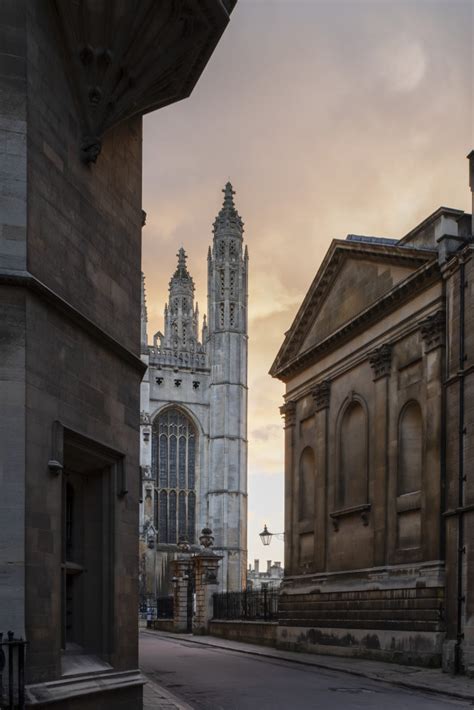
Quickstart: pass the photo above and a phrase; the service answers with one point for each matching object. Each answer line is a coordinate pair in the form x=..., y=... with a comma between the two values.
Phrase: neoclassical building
x=378, y=367
x=194, y=415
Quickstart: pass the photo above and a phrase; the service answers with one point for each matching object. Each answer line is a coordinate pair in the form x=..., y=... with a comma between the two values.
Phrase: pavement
x=432, y=682
x=156, y=697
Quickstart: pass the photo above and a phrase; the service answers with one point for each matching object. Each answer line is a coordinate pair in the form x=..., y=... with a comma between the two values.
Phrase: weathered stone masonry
x=70, y=252
x=194, y=416
x=378, y=420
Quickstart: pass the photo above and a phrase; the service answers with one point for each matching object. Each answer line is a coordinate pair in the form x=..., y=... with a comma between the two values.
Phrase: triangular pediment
x=358, y=284
x=353, y=277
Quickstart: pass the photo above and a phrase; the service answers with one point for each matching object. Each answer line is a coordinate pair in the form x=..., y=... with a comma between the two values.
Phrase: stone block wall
x=70, y=252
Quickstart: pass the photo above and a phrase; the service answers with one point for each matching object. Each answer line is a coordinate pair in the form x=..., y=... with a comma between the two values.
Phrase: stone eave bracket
x=127, y=59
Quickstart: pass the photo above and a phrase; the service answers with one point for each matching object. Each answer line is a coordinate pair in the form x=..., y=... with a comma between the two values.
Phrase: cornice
x=25, y=279
x=421, y=279
x=343, y=365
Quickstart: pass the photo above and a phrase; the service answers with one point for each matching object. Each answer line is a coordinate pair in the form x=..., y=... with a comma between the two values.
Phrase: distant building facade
x=194, y=415
x=264, y=579
x=379, y=438
x=76, y=79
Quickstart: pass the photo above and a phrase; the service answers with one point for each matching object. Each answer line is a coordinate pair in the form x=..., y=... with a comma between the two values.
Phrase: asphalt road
x=218, y=679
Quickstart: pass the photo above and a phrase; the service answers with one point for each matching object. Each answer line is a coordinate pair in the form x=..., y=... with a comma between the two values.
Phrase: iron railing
x=12, y=672
x=249, y=605
x=164, y=607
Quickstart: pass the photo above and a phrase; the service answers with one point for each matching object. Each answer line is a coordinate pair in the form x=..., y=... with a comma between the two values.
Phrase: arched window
x=174, y=464
x=410, y=449
x=353, y=459
x=306, y=484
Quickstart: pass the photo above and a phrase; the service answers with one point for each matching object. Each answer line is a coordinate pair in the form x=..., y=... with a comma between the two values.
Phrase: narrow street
x=208, y=678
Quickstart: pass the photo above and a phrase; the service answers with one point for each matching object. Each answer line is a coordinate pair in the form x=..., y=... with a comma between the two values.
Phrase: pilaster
x=288, y=412
x=433, y=334
x=322, y=397
x=381, y=363
x=206, y=568
x=180, y=569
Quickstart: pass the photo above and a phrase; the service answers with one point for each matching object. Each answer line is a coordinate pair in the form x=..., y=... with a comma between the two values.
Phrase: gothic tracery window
x=174, y=465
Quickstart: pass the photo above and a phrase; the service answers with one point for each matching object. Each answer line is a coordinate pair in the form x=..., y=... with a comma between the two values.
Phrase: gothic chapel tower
x=194, y=417
x=227, y=348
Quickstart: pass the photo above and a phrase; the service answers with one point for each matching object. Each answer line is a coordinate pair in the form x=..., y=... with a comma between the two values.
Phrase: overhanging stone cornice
x=128, y=58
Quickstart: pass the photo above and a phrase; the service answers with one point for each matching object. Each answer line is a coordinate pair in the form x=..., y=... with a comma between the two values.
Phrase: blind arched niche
x=307, y=473
x=410, y=449
x=353, y=456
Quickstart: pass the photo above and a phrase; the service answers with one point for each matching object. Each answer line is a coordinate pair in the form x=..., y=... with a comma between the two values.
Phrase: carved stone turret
x=227, y=352
x=179, y=345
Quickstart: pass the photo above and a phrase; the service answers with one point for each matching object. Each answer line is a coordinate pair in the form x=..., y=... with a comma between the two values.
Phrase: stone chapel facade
x=379, y=445
x=194, y=415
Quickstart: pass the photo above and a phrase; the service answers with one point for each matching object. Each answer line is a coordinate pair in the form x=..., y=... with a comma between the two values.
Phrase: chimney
x=255, y=565
x=269, y=564
x=447, y=236
x=470, y=157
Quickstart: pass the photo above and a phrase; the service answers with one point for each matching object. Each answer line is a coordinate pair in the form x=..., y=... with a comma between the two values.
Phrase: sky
x=329, y=117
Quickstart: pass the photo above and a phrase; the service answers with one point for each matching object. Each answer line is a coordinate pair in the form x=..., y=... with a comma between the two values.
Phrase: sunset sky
x=328, y=117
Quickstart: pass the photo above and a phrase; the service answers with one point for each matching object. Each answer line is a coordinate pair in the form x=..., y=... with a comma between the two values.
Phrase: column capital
x=433, y=330
x=288, y=412
x=381, y=361
x=322, y=394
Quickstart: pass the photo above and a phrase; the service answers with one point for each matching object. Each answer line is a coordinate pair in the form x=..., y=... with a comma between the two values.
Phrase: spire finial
x=229, y=193
x=228, y=216
x=181, y=269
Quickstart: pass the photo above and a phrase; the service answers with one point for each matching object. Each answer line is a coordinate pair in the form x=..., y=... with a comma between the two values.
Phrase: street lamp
x=266, y=535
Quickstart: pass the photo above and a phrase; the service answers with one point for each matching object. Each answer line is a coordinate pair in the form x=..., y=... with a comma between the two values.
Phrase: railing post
x=21, y=675
x=10, y=668
x=265, y=608
x=2, y=666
